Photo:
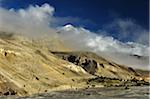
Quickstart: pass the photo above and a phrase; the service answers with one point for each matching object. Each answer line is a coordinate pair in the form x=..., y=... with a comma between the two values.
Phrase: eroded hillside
x=30, y=66
x=33, y=69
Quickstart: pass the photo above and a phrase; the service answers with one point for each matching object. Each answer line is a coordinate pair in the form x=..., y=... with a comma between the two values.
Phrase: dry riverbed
x=92, y=93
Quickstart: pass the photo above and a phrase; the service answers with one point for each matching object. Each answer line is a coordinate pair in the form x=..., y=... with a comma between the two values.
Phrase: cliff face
x=29, y=66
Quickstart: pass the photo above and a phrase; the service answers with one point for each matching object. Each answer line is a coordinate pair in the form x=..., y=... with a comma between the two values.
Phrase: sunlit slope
x=32, y=68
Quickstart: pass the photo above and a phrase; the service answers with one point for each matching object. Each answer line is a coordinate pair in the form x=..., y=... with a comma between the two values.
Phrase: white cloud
x=37, y=21
x=101, y=43
x=34, y=20
x=38, y=14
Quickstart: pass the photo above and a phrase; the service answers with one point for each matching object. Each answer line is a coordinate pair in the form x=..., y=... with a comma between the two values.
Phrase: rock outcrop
x=97, y=65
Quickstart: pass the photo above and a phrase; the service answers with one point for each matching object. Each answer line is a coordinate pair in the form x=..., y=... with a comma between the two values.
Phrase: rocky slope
x=31, y=66
x=97, y=65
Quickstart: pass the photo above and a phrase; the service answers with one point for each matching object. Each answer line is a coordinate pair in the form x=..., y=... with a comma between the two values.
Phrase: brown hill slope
x=29, y=66
x=33, y=69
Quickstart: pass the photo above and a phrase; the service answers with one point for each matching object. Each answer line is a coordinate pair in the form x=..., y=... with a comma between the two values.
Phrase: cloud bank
x=39, y=20
x=34, y=20
x=99, y=42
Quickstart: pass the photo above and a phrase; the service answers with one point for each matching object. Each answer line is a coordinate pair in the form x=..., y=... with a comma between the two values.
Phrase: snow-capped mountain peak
x=68, y=27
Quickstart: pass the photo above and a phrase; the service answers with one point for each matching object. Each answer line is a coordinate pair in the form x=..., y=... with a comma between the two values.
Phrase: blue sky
x=97, y=12
x=95, y=15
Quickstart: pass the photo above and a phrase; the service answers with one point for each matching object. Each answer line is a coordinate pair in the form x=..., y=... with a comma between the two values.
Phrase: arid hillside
x=30, y=66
